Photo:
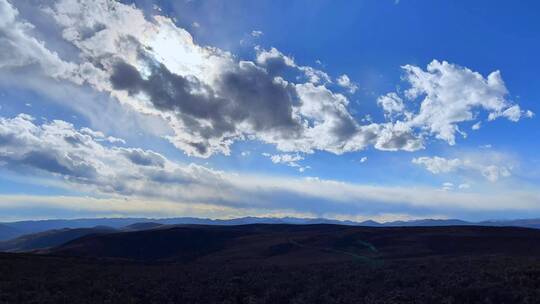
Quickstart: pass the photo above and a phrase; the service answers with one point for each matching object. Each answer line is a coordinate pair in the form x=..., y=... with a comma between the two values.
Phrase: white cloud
x=276, y=62
x=18, y=48
x=290, y=160
x=363, y=159
x=210, y=99
x=391, y=104
x=477, y=126
x=256, y=34
x=493, y=173
x=303, y=169
x=273, y=59
x=438, y=165
x=285, y=158
x=345, y=81
x=449, y=95
x=115, y=140
x=513, y=113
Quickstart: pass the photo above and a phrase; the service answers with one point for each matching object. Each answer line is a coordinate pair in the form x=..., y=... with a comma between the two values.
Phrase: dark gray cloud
x=75, y=139
x=345, y=127
x=247, y=95
x=259, y=98
x=144, y=158
x=53, y=162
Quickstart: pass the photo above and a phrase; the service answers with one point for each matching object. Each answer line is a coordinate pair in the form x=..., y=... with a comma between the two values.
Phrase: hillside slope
x=48, y=239
x=7, y=232
x=294, y=244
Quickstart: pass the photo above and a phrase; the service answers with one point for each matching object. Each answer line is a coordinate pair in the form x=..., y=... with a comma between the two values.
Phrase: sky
x=383, y=110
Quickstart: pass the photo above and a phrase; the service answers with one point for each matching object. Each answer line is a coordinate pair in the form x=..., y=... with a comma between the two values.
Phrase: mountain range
x=39, y=234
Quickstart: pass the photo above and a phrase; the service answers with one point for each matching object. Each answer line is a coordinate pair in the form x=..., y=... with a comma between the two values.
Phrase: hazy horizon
x=149, y=219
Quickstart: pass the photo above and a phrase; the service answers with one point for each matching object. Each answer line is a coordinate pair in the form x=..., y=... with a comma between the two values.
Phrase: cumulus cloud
x=345, y=82
x=273, y=60
x=290, y=160
x=276, y=62
x=449, y=95
x=391, y=103
x=210, y=99
x=249, y=102
x=18, y=47
x=78, y=157
x=439, y=165
x=144, y=158
x=99, y=136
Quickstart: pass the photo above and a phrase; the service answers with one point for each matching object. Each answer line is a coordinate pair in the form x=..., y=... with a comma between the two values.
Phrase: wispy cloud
x=490, y=165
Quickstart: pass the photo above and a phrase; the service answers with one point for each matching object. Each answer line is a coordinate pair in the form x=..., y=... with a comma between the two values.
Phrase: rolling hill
x=49, y=239
x=301, y=244
x=8, y=232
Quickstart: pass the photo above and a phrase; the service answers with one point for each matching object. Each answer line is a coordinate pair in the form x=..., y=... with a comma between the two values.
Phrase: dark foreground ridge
x=281, y=264
x=300, y=244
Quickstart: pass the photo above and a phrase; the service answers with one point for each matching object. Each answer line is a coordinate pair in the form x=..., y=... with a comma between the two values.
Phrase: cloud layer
x=210, y=98
x=80, y=159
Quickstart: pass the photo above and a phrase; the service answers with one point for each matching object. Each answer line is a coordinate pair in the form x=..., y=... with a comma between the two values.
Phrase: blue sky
x=368, y=110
